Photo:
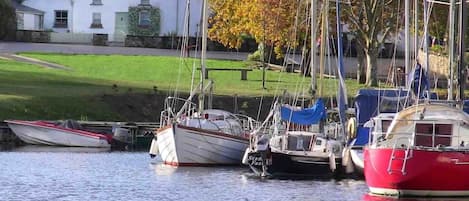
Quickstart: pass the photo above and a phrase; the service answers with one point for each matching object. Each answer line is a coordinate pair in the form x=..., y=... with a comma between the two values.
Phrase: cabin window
x=298, y=143
x=385, y=125
x=61, y=19
x=430, y=135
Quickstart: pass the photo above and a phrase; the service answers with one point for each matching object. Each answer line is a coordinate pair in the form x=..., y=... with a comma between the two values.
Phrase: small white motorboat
x=66, y=133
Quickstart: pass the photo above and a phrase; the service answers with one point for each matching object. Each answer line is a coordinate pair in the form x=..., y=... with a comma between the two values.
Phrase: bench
x=244, y=71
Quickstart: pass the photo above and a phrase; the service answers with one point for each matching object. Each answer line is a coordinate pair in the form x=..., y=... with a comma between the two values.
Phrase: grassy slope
x=32, y=92
x=149, y=71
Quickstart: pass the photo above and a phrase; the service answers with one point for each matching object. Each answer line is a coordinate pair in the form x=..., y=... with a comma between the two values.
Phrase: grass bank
x=88, y=89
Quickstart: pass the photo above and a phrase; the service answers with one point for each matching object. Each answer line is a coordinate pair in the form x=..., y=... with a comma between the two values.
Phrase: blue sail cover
x=305, y=116
x=371, y=102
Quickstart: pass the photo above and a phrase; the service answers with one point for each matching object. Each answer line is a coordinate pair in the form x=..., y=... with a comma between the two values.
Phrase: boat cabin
x=427, y=126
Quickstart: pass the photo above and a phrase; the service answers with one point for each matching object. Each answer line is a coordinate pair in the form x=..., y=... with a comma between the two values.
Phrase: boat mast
x=203, y=55
x=342, y=97
x=416, y=48
x=451, y=49
x=425, y=43
x=313, y=48
x=407, y=41
x=462, y=51
x=325, y=7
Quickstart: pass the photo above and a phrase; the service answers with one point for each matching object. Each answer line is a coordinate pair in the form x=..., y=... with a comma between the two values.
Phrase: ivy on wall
x=153, y=29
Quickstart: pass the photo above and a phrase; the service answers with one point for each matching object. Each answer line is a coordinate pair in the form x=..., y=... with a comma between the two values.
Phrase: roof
x=22, y=8
x=429, y=112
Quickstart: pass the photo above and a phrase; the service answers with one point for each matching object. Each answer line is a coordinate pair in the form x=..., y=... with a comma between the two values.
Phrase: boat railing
x=247, y=122
x=177, y=107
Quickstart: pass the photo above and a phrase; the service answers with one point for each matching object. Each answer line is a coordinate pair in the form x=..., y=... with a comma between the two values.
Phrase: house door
x=122, y=22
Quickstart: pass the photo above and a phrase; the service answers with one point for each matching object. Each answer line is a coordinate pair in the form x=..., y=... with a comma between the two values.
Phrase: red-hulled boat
x=425, y=152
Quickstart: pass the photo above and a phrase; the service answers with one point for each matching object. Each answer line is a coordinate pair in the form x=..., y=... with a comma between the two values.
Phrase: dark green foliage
x=153, y=29
x=7, y=19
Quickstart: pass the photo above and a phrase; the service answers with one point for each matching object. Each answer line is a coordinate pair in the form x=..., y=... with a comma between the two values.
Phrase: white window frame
x=96, y=21
x=97, y=2
x=61, y=18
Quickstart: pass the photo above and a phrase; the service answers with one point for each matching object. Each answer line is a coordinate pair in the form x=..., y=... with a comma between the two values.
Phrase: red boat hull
x=426, y=172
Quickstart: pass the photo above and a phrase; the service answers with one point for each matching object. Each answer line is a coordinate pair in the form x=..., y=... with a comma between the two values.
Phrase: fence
x=83, y=38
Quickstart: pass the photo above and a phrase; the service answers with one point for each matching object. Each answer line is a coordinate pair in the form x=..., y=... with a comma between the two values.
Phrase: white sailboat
x=203, y=137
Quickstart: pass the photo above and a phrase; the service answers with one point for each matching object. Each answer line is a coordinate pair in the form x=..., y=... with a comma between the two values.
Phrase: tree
x=371, y=21
x=268, y=21
x=7, y=18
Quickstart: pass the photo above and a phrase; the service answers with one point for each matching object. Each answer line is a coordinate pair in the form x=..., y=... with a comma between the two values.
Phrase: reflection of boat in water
x=371, y=197
x=55, y=149
x=66, y=133
x=162, y=169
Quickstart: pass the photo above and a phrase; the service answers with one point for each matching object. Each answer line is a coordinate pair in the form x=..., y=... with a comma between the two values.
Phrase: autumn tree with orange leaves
x=268, y=21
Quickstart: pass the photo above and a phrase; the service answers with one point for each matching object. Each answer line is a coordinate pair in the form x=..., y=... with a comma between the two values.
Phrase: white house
x=28, y=18
x=112, y=16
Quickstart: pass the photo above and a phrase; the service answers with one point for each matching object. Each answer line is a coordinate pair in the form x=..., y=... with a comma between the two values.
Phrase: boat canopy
x=305, y=116
x=371, y=102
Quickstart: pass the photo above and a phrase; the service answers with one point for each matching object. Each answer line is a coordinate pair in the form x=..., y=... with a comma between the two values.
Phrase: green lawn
x=169, y=73
x=32, y=92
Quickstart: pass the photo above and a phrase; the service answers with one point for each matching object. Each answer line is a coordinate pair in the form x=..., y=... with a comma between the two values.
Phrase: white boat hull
x=357, y=159
x=39, y=135
x=187, y=146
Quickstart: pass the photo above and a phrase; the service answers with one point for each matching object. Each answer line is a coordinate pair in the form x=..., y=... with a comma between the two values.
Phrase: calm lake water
x=54, y=173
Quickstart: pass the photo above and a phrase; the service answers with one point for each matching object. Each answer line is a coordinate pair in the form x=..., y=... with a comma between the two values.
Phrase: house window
x=144, y=18
x=97, y=2
x=19, y=20
x=38, y=22
x=61, y=19
x=145, y=2
x=96, y=21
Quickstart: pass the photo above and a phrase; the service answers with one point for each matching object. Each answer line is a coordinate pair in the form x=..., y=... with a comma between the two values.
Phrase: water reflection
x=74, y=174
x=369, y=197
x=55, y=149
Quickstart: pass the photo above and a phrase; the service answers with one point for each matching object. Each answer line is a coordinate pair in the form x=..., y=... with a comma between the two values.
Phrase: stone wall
x=438, y=64
x=32, y=36
x=100, y=39
x=173, y=42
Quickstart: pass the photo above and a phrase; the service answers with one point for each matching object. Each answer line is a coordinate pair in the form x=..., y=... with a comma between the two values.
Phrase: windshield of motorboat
x=71, y=124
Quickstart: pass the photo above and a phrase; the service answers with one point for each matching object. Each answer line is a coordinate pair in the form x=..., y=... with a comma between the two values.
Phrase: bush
x=256, y=56
x=438, y=49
